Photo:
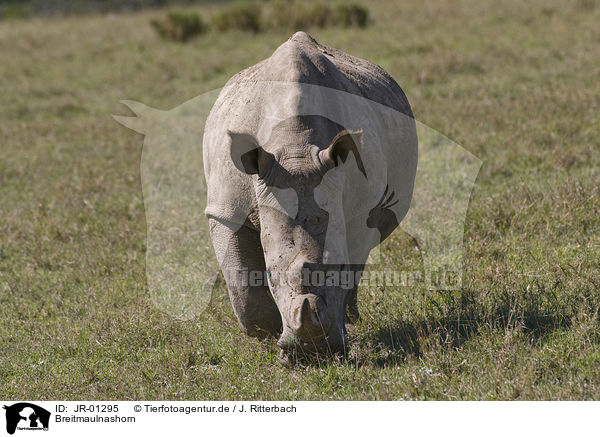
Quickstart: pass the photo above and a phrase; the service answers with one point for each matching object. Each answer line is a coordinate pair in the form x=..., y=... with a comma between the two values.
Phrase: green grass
x=515, y=84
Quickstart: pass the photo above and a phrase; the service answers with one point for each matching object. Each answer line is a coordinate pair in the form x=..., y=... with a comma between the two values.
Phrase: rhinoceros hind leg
x=252, y=302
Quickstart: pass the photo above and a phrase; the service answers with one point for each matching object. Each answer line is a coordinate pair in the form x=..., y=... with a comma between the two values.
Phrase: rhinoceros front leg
x=240, y=254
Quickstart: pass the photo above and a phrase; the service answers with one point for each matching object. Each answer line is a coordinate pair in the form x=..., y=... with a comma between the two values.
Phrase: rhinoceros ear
x=343, y=143
x=244, y=152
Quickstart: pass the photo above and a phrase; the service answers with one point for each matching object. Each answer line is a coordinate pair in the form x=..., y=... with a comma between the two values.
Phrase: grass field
x=514, y=83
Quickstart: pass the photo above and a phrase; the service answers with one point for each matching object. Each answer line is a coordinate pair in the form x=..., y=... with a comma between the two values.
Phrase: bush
x=319, y=14
x=179, y=26
x=15, y=11
x=297, y=15
x=243, y=16
x=280, y=14
x=351, y=14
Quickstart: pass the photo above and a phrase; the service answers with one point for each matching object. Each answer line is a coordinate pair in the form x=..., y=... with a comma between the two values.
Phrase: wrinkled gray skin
x=278, y=200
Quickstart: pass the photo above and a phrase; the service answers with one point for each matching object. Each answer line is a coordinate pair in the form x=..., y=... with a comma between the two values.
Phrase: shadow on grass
x=451, y=326
x=447, y=322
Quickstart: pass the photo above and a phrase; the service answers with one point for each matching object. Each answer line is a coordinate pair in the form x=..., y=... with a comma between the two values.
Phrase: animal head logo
x=181, y=264
x=26, y=416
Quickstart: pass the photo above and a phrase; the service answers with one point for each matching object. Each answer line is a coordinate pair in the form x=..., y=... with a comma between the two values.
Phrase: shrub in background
x=179, y=26
x=279, y=14
x=12, y=10
x=242, y=16
x=351, y=14
x=29, y=8
x=319, y=14
x=298, y=15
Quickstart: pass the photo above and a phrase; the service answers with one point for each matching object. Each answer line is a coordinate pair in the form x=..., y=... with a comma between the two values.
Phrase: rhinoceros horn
x=311, y=317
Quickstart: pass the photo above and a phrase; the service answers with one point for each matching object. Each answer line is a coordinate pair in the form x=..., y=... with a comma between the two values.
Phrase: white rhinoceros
x=310, y=159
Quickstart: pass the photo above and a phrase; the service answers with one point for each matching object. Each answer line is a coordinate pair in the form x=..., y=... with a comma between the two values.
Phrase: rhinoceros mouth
x=293, y=357
x=295, y=350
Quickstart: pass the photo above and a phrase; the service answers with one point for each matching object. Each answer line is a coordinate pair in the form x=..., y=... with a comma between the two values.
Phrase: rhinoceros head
x=296, y=209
